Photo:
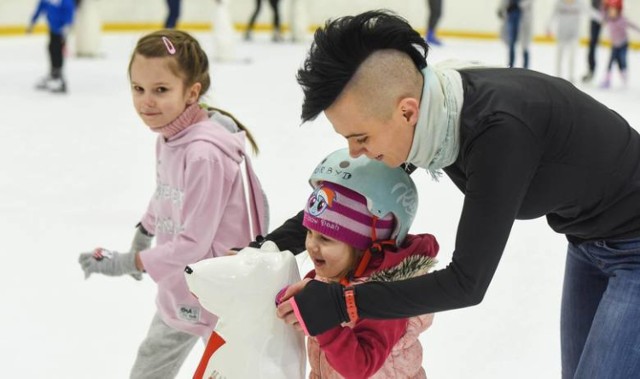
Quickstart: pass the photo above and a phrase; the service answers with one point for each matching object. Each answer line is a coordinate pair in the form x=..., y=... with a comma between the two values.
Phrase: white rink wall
x=463, y=17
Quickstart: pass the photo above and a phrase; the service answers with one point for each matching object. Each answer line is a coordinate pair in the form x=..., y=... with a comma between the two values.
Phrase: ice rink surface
x=77, y=170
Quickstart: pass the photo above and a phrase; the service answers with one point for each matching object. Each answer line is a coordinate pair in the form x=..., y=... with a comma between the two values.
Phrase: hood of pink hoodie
x=232, y=144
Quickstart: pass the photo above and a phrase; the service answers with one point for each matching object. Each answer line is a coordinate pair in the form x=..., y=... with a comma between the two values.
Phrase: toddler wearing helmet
x=357, y=219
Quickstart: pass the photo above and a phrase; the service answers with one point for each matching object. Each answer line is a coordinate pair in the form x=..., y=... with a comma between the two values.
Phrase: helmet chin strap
x=376, y=247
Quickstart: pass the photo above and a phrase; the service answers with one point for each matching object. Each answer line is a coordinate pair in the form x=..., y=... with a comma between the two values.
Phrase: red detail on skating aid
x=215, y=342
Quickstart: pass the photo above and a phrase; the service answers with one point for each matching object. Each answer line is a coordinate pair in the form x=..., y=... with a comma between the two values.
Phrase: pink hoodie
x=618, y=29
x=198, y=211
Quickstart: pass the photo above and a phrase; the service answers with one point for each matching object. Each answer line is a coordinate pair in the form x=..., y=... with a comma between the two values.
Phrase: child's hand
x=294, y=289
x=284, y=311
x=110, y=263
x=29, y=29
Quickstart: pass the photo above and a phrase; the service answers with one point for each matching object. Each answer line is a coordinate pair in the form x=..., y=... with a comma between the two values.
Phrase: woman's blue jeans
x=600, y=320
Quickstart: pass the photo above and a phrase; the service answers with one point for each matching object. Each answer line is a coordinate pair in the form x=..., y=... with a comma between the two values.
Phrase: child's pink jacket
x=378, y=348
x=618, y=29
x=198, y=211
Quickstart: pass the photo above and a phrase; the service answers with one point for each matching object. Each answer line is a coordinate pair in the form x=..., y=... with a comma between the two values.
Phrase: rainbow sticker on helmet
x=320, y=200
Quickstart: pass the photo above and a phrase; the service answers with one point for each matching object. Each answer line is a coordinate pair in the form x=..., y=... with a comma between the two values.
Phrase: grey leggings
x=162, y=352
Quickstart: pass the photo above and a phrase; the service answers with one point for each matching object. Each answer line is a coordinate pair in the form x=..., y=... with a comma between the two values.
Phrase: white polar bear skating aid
x=249, y=341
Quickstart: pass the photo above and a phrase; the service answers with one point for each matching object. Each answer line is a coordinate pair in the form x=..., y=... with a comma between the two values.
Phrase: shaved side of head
x=382, y=80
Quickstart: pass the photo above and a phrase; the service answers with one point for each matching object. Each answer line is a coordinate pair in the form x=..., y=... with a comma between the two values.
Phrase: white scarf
x=436, y=141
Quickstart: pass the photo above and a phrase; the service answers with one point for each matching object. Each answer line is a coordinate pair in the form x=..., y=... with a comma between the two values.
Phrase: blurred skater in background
x=564, y=23
x=594, y=38
x=277, y=30
x=174, y=14
x=617, y=25
x=298, y=20
x=435, y=12
x=224, y=34
x=59, y=18
x=517, y=28
x=87, y=28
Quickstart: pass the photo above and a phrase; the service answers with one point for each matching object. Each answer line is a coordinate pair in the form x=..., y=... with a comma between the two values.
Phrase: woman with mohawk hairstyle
x=519, y=145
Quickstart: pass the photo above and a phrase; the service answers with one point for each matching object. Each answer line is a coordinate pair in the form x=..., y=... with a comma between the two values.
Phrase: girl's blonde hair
x=189, y=61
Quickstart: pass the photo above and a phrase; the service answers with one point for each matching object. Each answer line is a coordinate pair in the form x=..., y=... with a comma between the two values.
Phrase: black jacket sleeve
x=288, y=236
x=499, y=168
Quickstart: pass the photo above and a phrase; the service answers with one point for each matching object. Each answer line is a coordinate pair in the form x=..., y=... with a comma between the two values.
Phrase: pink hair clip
x=167, y=43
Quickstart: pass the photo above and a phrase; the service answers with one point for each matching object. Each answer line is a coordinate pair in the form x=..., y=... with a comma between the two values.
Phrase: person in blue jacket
x=59, y=18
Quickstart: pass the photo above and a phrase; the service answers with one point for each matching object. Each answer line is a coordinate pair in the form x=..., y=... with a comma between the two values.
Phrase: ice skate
x=624, y=77
x=432, y=40
x=43, y=83
x=606, y=83
x=54, y=85
x=587, y=77
x=57, y=85
x=277, y=36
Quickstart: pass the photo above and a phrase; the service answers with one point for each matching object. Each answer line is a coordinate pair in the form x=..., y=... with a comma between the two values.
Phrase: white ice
x=76, y=172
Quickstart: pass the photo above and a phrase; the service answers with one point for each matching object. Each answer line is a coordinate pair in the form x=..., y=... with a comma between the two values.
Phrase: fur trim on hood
x=414, y=258
x=410, y=267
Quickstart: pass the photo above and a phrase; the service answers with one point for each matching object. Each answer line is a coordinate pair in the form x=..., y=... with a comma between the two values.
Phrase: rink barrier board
x=13, y=30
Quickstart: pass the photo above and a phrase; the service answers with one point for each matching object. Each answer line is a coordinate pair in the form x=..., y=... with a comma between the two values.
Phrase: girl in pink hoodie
x=199, y=209
x=351, y=240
